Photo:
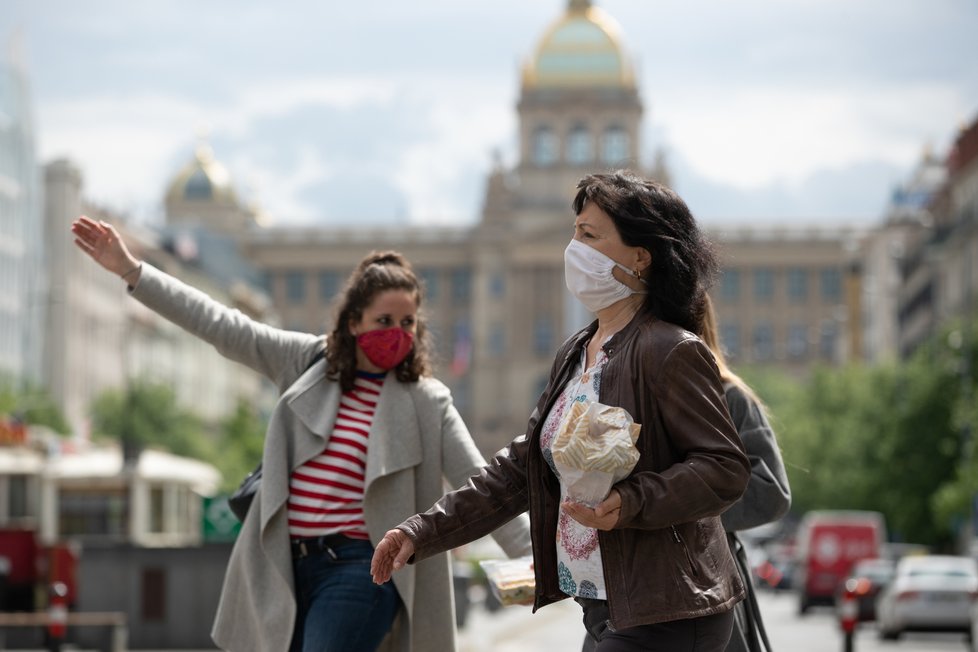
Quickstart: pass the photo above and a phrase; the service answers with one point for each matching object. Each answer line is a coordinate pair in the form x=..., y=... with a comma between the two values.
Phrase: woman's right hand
x=103, y=244
x=393, y=551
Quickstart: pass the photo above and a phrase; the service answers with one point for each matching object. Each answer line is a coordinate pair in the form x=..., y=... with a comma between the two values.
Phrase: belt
x=327, y=543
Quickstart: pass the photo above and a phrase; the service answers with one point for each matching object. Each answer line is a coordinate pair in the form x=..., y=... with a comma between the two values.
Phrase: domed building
x=496, y=299
x=579, y=108
x=202, y=194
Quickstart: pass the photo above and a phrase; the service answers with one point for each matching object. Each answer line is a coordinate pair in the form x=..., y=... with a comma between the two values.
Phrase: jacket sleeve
x=461, y=460
x=768, y=496
x=713, y=469
x=487, y=500
x=277, y=354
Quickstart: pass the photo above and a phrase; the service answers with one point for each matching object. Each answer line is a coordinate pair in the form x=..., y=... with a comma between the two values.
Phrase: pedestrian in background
x=650, y=564
x=768, y=496
x=357, y=442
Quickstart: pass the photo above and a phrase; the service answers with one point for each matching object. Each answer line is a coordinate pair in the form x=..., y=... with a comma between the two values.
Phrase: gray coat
x=766, y=499
x=417, y=440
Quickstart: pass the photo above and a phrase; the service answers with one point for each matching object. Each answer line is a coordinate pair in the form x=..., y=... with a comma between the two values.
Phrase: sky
x=384, y=112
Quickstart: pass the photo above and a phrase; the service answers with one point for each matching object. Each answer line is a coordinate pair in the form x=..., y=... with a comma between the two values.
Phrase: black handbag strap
x=755, y=622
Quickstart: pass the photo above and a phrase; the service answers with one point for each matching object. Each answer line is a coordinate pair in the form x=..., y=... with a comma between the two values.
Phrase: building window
x=461, y=348
x=429, y=279
x=544, y=146
x=797, y=341
x=154, y=594
x=543, y=335
x=18, y=496
x=730, y=285
x=614, y=146
x=831, y=284
x=497, y=339
x=93, y=512
x=541, y=386
x=797, y=284
x=764, y=284
x=157, y=509
x=763, y=342
x=461, y=284
x=730, y=339
x=295, y=286
x=329, y=285
x=827, y=337
x=579, y=146
x=497, y=285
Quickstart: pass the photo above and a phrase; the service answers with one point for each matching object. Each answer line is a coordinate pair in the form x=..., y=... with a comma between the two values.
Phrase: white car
x=931, y=592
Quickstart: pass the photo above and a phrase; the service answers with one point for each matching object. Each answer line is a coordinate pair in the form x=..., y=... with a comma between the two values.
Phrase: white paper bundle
x=594, y=448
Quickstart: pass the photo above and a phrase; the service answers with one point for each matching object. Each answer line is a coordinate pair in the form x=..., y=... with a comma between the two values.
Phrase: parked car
x=773, y=568
x=867, y=579
x=828, y=543
x=973, y=637
x=931, y=593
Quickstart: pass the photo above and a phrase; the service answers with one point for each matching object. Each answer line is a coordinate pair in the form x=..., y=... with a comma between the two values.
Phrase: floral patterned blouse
x=578, y=555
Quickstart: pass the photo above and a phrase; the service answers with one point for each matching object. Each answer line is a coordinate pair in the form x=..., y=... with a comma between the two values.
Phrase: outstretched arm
x=105, y=246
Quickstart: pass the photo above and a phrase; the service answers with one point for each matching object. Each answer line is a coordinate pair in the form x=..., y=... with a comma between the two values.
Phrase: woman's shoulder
x=661, y=337
x=430, y=388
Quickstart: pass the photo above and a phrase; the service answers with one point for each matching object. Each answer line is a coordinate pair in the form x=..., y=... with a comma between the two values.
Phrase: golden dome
x=203, y=179
x=581, y=49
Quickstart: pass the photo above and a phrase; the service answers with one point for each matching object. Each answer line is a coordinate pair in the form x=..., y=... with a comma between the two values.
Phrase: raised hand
x=390, y=555
x=103, y=244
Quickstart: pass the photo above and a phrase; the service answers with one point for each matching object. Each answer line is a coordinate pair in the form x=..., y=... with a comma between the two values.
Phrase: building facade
x=21, y=252
x=496, y=301
x=96, y=338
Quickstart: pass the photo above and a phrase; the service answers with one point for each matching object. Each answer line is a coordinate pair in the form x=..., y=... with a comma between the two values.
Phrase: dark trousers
x=703, y=634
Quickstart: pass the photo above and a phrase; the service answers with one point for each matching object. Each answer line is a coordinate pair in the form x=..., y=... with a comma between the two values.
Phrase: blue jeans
x=340, y=607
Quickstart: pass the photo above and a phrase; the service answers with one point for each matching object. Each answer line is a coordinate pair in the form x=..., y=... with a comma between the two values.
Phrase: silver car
x=931, y=592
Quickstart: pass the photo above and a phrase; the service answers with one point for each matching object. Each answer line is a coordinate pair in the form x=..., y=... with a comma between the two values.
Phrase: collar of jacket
x=315, y=400
x=580, y=339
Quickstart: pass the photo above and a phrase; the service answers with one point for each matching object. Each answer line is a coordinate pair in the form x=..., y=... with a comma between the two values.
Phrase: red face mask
x=386, y=347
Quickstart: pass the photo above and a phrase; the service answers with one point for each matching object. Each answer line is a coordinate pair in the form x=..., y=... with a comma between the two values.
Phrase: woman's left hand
x=604, y=516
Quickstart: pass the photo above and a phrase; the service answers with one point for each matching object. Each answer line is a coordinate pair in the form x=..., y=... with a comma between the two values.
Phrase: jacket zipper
x=682, y=544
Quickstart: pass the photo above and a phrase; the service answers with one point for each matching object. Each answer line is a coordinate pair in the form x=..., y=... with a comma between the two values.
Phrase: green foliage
x=889, y=438
x=33, y=405
x=147, y=414
x=241, y=442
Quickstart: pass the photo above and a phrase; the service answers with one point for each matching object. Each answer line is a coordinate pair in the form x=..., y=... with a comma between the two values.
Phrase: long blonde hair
x=710, y=333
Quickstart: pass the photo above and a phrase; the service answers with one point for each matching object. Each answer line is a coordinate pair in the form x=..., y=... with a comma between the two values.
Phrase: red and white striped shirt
x=326, y=493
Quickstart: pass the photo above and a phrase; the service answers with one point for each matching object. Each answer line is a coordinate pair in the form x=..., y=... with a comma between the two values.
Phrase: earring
x=636, y=273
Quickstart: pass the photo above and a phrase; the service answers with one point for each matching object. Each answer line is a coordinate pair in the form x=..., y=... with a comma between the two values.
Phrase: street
x=558, y=627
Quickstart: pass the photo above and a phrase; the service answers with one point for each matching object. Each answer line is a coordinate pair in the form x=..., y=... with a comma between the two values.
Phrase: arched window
x=579, y=147
x=614, y=145
x=544, y=146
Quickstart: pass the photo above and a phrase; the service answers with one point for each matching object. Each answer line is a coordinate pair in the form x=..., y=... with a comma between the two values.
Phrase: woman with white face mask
x=361, y=438
x=649, y=564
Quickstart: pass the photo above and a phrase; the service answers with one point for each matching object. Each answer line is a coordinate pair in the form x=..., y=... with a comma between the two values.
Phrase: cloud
x=758, y=136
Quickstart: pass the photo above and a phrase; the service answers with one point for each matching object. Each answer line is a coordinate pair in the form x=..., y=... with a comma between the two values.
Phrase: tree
x=147, y=414
x=32, y=406
x=885, y=438
x=241, y=442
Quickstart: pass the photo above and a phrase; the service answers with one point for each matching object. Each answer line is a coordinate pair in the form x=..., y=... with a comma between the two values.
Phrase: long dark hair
x=378, y=272
x=648, y=214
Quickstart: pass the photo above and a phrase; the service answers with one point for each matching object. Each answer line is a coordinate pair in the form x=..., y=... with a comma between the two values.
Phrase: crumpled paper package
x=594, y=448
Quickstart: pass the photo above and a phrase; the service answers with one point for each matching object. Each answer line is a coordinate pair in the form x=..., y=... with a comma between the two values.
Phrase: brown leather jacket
x=667, y=557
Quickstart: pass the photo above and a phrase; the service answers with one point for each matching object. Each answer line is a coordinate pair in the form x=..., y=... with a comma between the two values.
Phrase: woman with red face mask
x=359, y=440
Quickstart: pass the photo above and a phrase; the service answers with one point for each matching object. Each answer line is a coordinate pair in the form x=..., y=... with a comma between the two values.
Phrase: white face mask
x=588, y=274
